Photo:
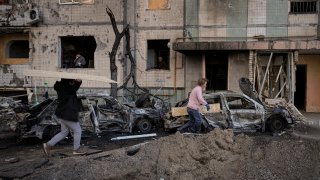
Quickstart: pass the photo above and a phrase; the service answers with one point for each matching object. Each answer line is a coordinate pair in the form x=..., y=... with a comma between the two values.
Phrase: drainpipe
x=203, y=65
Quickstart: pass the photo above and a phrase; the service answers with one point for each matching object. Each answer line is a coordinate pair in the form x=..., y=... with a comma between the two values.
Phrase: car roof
x=225, y=93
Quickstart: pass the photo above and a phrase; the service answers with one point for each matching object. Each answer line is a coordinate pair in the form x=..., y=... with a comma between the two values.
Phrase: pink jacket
x=196, y=98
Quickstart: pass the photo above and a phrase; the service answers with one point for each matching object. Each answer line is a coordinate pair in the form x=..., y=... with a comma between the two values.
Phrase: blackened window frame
x=70, y=46
x=160, y=48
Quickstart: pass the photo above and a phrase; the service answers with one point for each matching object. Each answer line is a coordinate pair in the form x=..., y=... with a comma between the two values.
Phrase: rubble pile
x=294, y=112
x=216, y=155
x=11, y=113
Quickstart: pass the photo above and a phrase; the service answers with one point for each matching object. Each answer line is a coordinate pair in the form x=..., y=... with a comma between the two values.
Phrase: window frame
x=8, y=49
x=241, y=98
x=71, y=53
x=156, y=54
x=155, y=9
x=303, y=11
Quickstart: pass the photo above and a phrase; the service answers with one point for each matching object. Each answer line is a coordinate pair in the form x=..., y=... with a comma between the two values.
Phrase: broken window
x=17, y=49
x=158, y=54
x=76, y=1
x=301, y=7
x=215, y=100
x=75, y=47
x=4, y=2
x=158, y=4
x=239, y=103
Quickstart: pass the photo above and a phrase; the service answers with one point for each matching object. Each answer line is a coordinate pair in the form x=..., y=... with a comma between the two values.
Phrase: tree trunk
x=113, y=53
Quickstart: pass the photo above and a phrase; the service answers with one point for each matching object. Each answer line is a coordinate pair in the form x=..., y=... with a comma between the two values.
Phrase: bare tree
x=113, y=67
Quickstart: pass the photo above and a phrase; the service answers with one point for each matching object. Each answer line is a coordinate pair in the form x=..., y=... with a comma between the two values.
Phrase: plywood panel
x=182, y=111
x=158, y=4
x=66, y=75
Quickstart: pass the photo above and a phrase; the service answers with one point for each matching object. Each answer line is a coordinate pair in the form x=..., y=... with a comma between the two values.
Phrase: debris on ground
x=21, y=169
x=134, y=136
x=215, y=155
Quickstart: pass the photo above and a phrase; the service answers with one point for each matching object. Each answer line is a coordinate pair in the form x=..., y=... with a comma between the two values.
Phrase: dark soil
x=216, y=155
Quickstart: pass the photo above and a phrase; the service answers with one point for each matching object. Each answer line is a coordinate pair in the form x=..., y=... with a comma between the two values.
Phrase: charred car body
x=97, y=113
x=238, y=112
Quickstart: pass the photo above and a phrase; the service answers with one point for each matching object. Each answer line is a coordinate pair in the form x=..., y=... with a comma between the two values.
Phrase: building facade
x=174, y=42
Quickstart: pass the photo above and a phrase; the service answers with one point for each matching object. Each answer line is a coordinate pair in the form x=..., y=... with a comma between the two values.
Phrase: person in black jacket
x=67, y=113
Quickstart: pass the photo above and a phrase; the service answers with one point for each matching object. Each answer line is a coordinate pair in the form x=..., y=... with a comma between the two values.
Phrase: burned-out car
x=98, y=113
x=238, y=112
x=11, y=114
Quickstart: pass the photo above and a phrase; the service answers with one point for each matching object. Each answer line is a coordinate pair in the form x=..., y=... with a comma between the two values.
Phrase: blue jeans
x=66, y=126
x=195, y=119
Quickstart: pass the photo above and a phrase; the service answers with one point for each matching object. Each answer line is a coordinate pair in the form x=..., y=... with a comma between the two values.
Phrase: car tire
x=53, y=131
x=276, y=123
x=144, y=126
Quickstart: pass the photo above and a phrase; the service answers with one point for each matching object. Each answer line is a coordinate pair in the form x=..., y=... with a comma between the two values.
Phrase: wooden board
x=182, y=111
x=66, y=75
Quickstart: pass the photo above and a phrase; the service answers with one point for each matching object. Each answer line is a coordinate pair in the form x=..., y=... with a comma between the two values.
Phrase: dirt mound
x=216, y=155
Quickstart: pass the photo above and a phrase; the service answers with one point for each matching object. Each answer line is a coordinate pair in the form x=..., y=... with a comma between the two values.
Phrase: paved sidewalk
x=313, y=118
x=312, y=130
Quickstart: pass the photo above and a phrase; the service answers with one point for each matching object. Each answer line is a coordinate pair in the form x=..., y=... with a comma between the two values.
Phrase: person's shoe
x=79, y=151
x=46, y=149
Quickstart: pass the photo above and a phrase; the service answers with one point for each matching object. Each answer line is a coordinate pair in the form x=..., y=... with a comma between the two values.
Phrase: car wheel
x=276, y=123
x=144, y=125
x=54, y=130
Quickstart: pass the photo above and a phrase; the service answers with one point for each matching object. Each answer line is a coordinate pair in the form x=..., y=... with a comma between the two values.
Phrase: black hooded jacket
x=68, y=106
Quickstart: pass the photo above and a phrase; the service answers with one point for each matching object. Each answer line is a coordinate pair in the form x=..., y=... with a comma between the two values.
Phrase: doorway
x=301, y=81
x=217, y=71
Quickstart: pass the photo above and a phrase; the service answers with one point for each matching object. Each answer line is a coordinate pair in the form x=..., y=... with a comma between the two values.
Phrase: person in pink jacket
x=195, y=101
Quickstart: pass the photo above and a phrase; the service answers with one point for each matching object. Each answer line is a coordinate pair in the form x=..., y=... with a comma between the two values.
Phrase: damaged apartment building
x=274, y=43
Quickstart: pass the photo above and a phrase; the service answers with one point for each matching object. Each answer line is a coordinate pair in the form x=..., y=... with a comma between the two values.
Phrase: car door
x=246, y=114
x=217, y=119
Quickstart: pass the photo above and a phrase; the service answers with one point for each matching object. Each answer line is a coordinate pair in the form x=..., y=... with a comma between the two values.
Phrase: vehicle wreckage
x=238, y=111
x=97, y=113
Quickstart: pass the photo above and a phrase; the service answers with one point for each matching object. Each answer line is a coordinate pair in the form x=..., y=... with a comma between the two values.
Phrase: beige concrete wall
x=76, y=20
x=4, y=40
x=172, y=16
x=193, y=71
x=212, y=20
x=302, y=25
x=212, y=12
x=55, y=13
x=238, y=67
x=46, y=50
x=313, y=81
x=12, y=68
x=157, y=77
x=153, y=24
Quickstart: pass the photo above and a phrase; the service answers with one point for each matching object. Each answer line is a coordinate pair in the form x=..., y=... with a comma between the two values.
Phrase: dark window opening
x=78, y=51
x=4, y=2
x=301, y=84
x=214, y=100
x=18, y=49
x=302, y=7
x=217, y=71
x=239, y=103
x=158, y=54
x=7, y=2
